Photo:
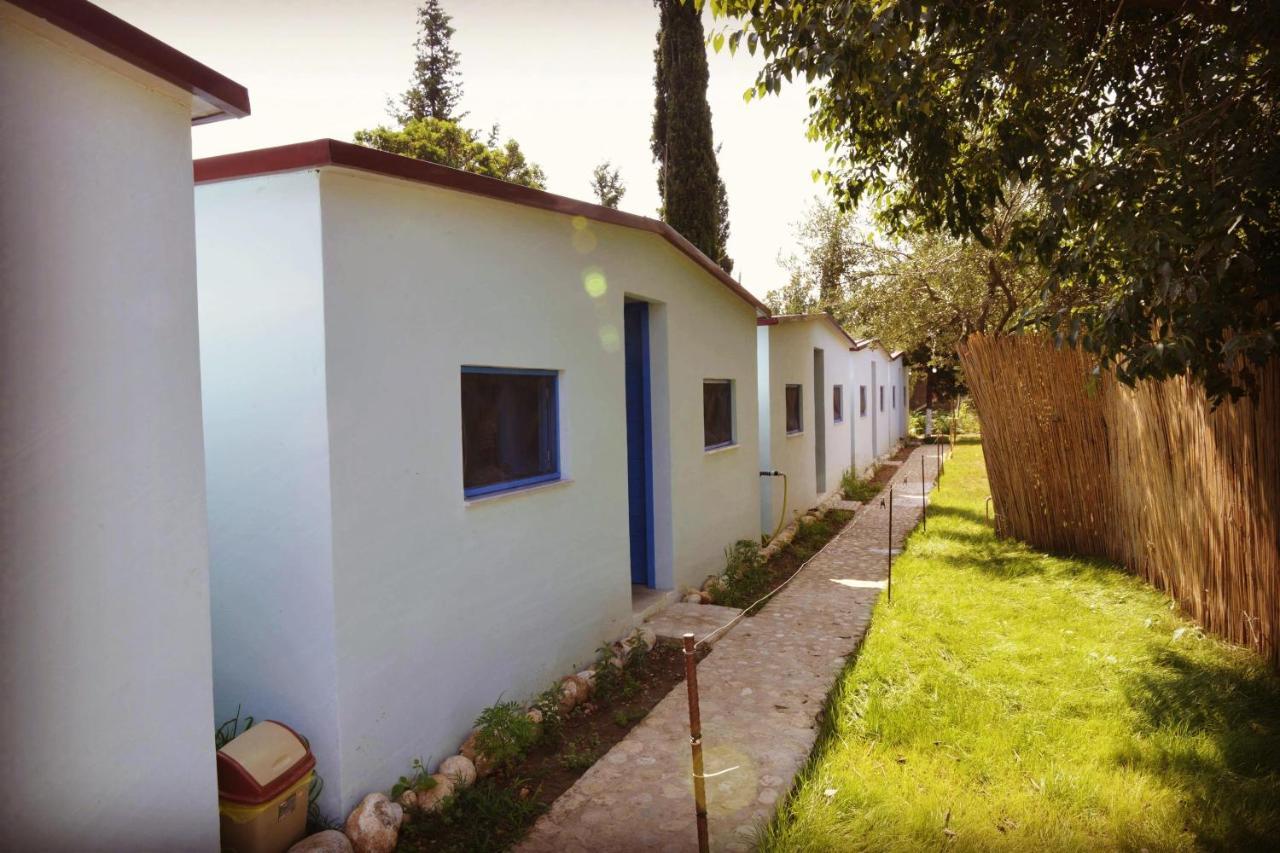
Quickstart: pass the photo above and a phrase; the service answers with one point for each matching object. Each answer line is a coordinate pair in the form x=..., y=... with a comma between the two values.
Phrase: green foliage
x=417, y=780
x=581, y=753
x=855, y=488
x=488, y=815
x=436, y=88
x=745, y=578
x=504, y=733
x=1149, y=131
x=966, y=420
x=551, y=729
x=694, y=201
x=1021, y=700
x=607, y=185
x=229, y=730
x=625, y=719
x=450, y=144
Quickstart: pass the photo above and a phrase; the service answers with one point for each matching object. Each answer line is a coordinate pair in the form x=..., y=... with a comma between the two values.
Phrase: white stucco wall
x=106, y=725
x=439, y=605
x=262, y=354
x=791, y=345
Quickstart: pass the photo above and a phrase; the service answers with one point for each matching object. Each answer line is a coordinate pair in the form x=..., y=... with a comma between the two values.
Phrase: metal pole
x=890, y=549
x=924, y=502
x=695, y=743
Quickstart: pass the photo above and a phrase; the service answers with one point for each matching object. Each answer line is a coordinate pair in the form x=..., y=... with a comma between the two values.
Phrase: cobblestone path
x=761, y=690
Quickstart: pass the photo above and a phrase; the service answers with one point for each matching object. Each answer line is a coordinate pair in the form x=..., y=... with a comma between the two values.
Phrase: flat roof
x=216, y=97
x=330, y=152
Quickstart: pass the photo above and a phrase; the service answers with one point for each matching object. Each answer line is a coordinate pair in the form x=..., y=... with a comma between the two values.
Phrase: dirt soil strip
x=761, y=693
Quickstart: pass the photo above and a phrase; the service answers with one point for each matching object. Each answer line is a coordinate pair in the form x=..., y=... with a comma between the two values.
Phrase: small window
x=794, y=423
x=837, y=403
x=895, y=396
x=717, y=413
x=862, y=401
x=510, y=434
x=882, y=398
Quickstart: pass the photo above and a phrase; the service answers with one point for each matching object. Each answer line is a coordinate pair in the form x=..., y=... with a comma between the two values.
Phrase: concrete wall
x=791, y=345
x=877, y=433
x=262, y=354
x=106, y=727
x=441, y=605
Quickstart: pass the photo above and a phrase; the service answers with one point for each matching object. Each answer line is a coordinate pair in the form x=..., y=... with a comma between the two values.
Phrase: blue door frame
x=639, y=441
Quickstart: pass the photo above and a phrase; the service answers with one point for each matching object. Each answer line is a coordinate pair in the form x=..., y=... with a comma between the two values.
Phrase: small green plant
x=857, y=489
x=581, y=753
x=745, y=578
x=551, y=730
x=229, y=730
x=489, y=815
x=609, y=676
x=318, y=821
x=504, y=733
x=418, y=780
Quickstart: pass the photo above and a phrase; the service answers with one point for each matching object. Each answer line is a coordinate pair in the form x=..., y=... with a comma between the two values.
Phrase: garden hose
x=782, y=517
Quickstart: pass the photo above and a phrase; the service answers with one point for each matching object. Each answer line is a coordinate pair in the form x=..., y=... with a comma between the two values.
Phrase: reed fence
x=1151, y=477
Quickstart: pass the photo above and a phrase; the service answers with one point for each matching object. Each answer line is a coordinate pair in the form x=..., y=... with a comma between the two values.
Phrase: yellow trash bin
x=264, y=777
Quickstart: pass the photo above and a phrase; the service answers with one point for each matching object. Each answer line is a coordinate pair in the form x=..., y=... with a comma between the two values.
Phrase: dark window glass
x=882, y=398
x=895, y=396
x=717, y=413
x=794, y=424
x=509, y=430
x=837, y=403
x=862, y=401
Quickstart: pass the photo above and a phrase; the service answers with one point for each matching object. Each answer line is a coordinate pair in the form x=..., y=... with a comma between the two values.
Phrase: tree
x=450, y=144
x=694, y=200
x=436, y=88
x=607, y=184
x=922, y=294
x=1150, y=129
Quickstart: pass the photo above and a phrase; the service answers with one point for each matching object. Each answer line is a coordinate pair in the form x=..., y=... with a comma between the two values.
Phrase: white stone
x=460, y=770
x=329, y=841
x=431, y=799
x=374, y=825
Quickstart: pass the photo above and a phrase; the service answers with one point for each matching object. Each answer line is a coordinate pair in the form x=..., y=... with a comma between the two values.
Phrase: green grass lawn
x=1012, y=699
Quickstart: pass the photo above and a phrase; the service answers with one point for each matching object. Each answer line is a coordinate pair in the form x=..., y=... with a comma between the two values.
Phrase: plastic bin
x=264, y=777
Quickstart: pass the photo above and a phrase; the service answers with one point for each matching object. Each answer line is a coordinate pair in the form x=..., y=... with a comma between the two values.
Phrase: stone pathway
x=760, y=690
x=699, y=619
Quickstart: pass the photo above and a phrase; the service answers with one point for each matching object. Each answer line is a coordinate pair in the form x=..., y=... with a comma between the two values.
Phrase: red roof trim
x=331, y=152
x=125, y=41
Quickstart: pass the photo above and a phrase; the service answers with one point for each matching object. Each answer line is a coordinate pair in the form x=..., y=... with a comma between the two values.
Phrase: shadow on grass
x=1213, y=731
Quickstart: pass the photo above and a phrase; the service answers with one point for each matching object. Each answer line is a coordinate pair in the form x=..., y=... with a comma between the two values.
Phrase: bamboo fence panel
x=1184, y=496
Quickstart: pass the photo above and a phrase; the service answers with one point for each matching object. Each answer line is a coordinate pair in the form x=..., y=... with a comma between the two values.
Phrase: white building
x=880, y=397
x=803, y=397
x=458, y=434
x=828, y=403
x=106, y=727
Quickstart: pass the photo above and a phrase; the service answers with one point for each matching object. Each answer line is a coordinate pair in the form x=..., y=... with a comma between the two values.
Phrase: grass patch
x=1016, y=700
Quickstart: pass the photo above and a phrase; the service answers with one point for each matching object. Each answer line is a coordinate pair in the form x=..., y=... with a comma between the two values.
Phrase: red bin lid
x=262, y=763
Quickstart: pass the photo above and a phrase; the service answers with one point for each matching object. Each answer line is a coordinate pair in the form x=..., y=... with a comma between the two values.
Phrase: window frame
x=837, y=404
x=556, y=475
x=733, y=421
x=799, y=430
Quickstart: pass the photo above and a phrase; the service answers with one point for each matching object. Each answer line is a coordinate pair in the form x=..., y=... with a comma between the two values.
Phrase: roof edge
x=818, y=315
x=123, y=40
x=331, y=152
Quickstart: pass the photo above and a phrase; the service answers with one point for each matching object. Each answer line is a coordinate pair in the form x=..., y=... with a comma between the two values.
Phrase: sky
x=571, y=80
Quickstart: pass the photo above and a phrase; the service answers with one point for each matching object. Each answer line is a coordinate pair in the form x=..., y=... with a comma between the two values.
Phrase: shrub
x=857, y=489
x=504, y=733
x=745, y=577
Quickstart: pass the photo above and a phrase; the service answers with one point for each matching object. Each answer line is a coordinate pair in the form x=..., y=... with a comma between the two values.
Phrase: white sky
x=571, y=80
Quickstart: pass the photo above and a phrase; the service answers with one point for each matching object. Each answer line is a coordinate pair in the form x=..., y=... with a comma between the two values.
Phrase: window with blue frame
x=717, y=413
x=795, y=423
x=837, y=403
x=510, y=429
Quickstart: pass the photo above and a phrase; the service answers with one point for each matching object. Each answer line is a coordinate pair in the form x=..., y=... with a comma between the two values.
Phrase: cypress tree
x=436, y=87
x=694, y=201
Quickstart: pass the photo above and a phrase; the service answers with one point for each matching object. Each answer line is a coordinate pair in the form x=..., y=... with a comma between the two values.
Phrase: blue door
x=639, y=441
